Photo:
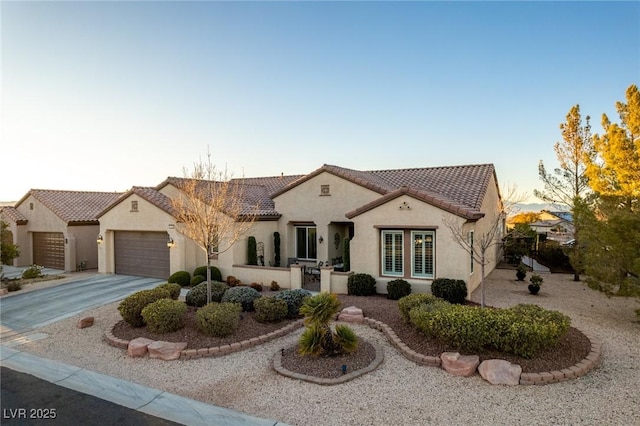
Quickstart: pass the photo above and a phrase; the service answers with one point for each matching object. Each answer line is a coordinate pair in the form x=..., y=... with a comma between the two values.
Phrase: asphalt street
x=27, y=400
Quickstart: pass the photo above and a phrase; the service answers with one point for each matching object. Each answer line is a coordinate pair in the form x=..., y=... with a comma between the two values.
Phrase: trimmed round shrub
x=34, y=271
x=256, y=286
x=164, y=315
x=398, y=289
x=361, y=285
x=242, y=295
x=197, y=279
x=294, y=299
x=270, y=309
x=274, y=286
x=407, y=303
x=233, y=281
x=131, y=307
x=215, y=272
x=197, y=296
x=172, y=288
x=453, y=291
x=219, y=319
x=181, y=277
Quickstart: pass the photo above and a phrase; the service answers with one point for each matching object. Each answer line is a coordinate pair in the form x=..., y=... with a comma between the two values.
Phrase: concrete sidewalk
x=131, y=395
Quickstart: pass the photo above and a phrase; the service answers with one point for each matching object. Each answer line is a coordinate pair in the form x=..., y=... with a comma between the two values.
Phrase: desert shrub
x=294, y=299
x=218, y=319
x=361, y=285
x=398, y=289
x=233, y=281
x=242, y=295
x=256, y=286
x=522, y=330
x=252, y=251
x=131, y=307
x=407, y=303
x=521, y=273
x=33, y=271
x=197, y=279
x=172, y=288
x=197, y=296
x=453, y=291
x=215, y=272
x=14, y=286
x=318, y=338
x=274, y=286
x=181, y=277
x=270, y=309
x=164, y=315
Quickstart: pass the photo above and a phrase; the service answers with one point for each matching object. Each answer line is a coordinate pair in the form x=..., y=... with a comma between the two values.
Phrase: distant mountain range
x=536, y=207
x=7, y=203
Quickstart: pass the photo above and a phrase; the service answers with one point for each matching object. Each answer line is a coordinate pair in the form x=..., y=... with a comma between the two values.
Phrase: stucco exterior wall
x=305, y=203
x=450, y=259
x=82, y=247
x=185, y=254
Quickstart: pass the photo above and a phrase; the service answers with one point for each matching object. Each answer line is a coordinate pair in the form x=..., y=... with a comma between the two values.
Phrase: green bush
x=361, y=285
x=172, y=288
x=270, y=309
x=453, y=291
x=164, y=315
x=33, y=271
x=131, y=307
x=181, y=277
x=215, y=272
x=294, y=299
x=242, y=295
x=407, y=303
x=197, y=296
x=522, y=330
x=197, y=279
x=219, y=319
x=398, y=289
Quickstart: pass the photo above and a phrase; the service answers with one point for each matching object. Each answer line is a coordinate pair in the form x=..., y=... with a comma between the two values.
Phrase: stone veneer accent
x=541, y=378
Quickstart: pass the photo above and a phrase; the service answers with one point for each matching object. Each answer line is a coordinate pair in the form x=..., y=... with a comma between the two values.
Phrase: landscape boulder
x=500, y=372
x=351, y=314
x=459, y=365
x=85, y=322
x=166, y=350
x=138, y=347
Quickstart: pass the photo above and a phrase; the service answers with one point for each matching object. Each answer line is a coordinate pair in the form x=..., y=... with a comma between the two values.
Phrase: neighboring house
x=57, y=229
x=556, y=225
x=396, y=221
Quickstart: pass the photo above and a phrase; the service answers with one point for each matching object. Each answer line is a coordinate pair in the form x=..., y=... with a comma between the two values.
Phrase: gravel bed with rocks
x=399, y=392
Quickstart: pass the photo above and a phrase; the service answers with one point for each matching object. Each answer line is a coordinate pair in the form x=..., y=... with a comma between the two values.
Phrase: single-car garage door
x=142, y=254
x=48, y=249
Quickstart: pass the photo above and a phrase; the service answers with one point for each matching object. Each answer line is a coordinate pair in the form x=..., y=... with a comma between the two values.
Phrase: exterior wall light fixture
x=171, y=243
x=100, y=239
x=320, y=240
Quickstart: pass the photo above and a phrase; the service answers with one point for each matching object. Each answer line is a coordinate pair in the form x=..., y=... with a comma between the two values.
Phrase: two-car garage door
x=143, y=254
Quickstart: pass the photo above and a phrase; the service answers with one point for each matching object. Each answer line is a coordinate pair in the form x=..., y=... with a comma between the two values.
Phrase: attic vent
x=325, y=190
x=134, y=206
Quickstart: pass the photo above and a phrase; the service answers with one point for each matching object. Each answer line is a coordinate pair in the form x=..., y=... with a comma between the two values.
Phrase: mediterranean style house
x=398, y=223
x=57, y=229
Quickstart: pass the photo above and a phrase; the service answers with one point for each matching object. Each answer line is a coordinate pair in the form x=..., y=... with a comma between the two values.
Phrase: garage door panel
x=48, y=249
x=142, y=254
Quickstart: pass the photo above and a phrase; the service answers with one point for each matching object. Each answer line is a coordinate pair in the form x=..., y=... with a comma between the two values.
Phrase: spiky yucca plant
x=318, y=338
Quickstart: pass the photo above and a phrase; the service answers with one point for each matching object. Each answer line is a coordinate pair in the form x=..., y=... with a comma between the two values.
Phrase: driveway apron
x=23, y=312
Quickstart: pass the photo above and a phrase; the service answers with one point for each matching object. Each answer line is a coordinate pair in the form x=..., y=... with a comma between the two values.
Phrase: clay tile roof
x=74, y=206
x=14, y=215
x=155, y=197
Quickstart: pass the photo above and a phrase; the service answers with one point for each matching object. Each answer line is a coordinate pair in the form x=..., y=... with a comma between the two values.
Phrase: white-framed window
x=393, y=253
x=416, y=259
x=306, y=243
x=422, y=254
x=471, y=248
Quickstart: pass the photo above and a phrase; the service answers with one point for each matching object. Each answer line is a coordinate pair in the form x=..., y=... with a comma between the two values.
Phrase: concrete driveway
x=23, y=312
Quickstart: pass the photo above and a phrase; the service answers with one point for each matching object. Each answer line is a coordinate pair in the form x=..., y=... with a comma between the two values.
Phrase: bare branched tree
x=212, y=210
x=479, y=245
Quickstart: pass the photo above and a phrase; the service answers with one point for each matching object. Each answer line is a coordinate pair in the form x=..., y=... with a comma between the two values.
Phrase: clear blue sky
x=107, y=95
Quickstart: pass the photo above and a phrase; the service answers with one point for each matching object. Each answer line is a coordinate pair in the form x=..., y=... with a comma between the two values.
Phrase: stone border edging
x=277, y=365
x=215, y=350
x=542, y=378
